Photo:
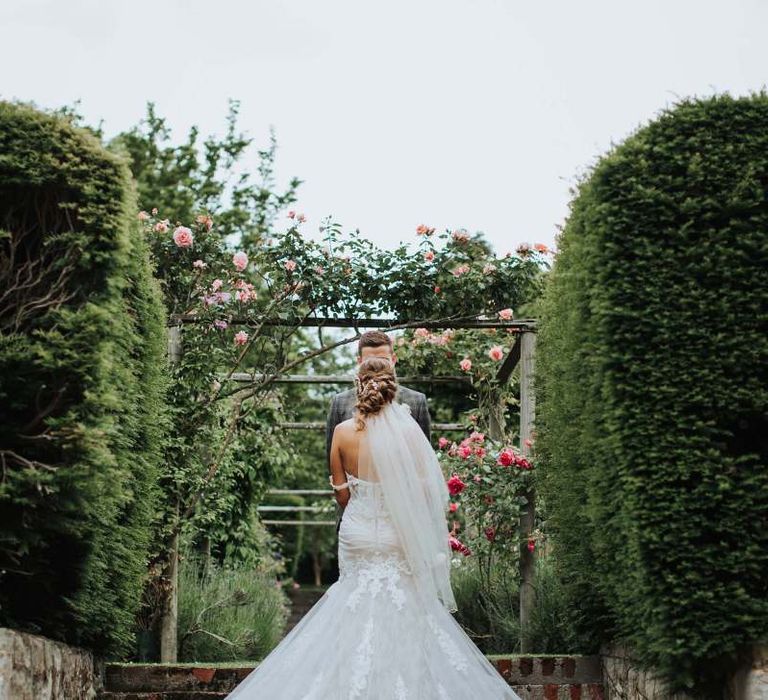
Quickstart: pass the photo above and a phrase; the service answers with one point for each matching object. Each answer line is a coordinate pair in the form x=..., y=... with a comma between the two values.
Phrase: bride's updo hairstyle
x=376, y=386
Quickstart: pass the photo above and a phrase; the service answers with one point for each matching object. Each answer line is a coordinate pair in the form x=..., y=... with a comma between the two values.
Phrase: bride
x=384, y=630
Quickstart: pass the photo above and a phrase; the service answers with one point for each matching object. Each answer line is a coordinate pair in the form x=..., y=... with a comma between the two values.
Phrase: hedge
x=651, y=393
x=82, y=383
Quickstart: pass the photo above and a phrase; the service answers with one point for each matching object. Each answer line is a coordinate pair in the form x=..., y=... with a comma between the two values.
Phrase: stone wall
x=751, y=682
x=624, y=680
x=36, y=668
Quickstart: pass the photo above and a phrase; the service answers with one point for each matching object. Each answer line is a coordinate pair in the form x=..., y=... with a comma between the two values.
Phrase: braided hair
x=376, y=385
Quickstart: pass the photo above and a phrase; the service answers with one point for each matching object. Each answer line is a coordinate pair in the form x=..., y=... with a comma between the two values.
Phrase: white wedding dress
x=375, y=634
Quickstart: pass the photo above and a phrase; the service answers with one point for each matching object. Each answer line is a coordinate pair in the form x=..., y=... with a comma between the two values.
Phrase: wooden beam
x=169, y=620
x=527, y=518
x=510, y=361
x=298, y=522
x=343, y=379
x=385, y=323
x=291, y=509
x=320, y=425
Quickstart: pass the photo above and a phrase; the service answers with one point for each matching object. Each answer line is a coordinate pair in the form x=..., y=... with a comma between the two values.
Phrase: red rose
x=455, y=485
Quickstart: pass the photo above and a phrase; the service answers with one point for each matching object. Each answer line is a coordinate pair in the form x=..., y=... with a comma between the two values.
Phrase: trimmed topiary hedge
x=652, y=389
x=82, y=384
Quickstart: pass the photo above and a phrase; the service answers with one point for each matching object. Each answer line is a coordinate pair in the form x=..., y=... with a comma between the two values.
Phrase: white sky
x=453, y=113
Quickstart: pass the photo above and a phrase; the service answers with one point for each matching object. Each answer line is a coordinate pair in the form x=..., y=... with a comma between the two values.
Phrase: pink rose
x=489, y=268
x=476, y=437
x=541, y=248
x=421, y=332
x=453, y=507
x=443, y=442
x=221, y=325
x=182, y=237
x=216, y=285
x=480, y=452
x=523, y=249
x=490, y=533
x=199, y=264
x=437, y=289
x=496, y=353
x=143, y=216
x=505, y=314
x=240, y=260
x=423, y=230
x=531, y=545
x=477, y=478
x=241, y=338
x=291, y=214
x=466, y=364
x=204, y=220
x=465, y=451
x=506, y=457
x=460, y=236
x=459, y=270
x=290, y=265
x=154, y=211
x=301, y=218
x=455, y=485
x=162, y=226
x=429, y=256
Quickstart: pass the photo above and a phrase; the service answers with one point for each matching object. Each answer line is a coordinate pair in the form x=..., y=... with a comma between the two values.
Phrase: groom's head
x=375, y=344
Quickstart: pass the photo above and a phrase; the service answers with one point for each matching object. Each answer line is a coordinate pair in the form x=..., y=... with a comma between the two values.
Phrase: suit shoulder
x=412, y=393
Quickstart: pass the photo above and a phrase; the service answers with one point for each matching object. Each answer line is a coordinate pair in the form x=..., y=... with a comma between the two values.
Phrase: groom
x=372, y=344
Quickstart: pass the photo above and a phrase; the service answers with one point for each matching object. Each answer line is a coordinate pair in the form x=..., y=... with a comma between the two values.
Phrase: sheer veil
x=395, y=452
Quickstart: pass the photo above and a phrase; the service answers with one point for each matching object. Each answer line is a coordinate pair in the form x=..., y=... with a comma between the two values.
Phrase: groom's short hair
x=373, y=339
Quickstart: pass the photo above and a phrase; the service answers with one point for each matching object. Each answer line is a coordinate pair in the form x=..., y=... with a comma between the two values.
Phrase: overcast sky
x=453, y=113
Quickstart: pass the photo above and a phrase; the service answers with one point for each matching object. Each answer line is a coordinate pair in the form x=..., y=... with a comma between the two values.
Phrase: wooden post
x=496, y=422
x=170, y=618
x=527, y=558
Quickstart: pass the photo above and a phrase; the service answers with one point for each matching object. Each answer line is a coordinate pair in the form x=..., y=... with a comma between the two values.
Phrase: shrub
x=651, y=387
x=487, y=604
x=489, y=609
x=228, y=614
x=81, y=389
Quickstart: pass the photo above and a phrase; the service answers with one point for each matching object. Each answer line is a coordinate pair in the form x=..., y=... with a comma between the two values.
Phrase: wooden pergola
x=521, y=352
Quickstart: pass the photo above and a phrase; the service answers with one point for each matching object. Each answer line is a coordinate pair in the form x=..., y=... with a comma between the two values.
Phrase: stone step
x=531, y=677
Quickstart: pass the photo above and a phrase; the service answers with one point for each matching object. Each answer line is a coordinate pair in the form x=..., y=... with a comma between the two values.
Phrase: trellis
x=522, y=352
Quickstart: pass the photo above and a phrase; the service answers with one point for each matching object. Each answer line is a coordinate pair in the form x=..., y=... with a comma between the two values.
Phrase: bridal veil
x=394, y=451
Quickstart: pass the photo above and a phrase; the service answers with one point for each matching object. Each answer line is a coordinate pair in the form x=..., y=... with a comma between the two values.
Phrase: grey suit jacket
x=343, y=407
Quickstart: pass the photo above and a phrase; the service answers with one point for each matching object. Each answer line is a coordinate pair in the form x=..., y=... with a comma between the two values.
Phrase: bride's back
x=355, y=451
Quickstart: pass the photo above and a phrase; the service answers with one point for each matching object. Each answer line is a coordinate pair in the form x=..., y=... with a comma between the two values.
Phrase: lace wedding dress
x=383, y=631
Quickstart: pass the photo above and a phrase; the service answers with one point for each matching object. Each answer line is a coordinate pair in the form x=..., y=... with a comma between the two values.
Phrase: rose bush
x=486, y=480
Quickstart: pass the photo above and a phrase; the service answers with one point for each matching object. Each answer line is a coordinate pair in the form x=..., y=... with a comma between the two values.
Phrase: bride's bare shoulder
x=345, y=427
